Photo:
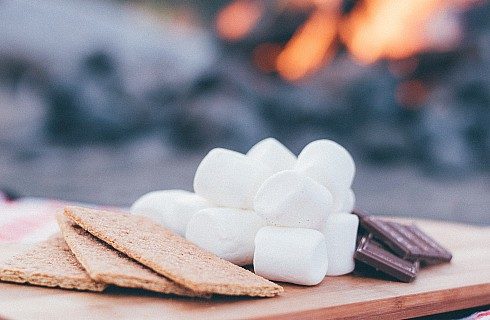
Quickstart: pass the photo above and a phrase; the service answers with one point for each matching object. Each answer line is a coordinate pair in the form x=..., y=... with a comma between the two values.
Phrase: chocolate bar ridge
x=432, y=250
x=374, y=255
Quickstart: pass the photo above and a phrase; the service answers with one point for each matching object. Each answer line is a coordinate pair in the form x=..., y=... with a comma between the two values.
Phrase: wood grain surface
x=463, y=283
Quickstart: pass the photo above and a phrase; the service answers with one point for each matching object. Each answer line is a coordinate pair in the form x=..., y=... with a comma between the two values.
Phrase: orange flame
x=310, y=46
x=387, y=28
x=375, y=29
x=237, y=19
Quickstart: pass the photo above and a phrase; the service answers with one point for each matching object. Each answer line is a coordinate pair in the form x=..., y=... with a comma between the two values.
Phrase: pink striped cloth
x=483, y=315
x=30, y=220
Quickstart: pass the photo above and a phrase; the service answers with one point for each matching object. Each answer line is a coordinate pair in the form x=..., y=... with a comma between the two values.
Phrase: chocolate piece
x=365, y=270
x=409, y=242
x=374, y=255
x=390, y=235
x=432, y=251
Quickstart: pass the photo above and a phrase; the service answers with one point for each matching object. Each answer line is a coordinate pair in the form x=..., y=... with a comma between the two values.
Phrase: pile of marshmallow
x=289, y=216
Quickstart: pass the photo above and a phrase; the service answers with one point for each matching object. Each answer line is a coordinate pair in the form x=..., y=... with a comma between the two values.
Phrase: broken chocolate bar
x=373, y=254
x=409, y=242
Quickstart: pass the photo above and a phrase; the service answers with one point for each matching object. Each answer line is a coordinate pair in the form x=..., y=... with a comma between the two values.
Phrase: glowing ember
x=237, y=19
x=309, y=47
x=411, y=93
x=265, y=55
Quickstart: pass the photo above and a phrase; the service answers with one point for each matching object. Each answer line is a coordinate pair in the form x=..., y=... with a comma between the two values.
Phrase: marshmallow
x=171, y=208
x=274, y=154
x=340, y=235
x=230, y=179
x=228, y=233
x=329, y=164
x=293, y=255
x=289, y=199
x=346, y=204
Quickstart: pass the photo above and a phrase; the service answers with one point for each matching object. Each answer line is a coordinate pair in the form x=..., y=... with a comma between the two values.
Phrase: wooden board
x=463, y=283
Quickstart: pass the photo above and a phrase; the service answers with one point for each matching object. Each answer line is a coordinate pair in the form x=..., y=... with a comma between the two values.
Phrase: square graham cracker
x=50, y=264
x=171, y=255
x=107, y=265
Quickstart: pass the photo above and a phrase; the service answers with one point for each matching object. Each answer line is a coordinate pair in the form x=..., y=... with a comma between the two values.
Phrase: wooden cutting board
x=463, y=283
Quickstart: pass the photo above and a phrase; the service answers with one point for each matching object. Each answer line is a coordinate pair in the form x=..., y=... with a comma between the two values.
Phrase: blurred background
x=103, y=101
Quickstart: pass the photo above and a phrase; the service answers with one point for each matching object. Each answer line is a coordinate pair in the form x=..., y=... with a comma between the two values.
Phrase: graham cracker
x=49, y=264
x=107, y=265
x=171, y=255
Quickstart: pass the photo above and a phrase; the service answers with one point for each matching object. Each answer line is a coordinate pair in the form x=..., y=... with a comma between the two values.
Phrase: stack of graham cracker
x=100, y=248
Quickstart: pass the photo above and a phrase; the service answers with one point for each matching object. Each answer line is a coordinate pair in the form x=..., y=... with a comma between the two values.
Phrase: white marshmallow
x=228, y=233
x=289, y=199
x=293, y=255
x=230, y=179
x=274, y=154
x=340, y=235
x=329, y=164
x=171, y=208
x=346, y=204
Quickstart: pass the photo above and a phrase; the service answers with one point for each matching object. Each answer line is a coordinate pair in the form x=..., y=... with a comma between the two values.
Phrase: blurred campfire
x=395, y=81
x=370, y=30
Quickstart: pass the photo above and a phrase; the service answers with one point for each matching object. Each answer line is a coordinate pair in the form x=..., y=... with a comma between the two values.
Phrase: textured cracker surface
x=105, y=264
x=50, y=264
x=171, y=255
